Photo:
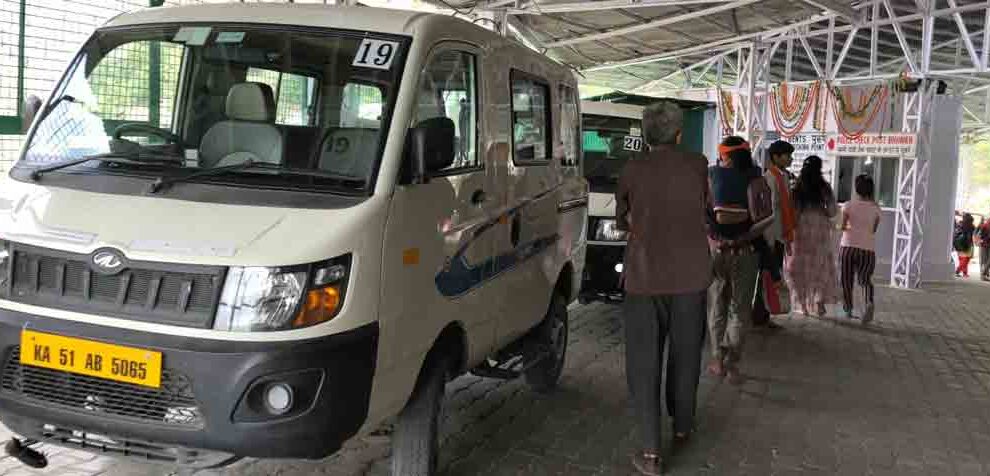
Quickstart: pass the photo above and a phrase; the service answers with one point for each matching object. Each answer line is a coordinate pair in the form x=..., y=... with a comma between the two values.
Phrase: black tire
x=551, y=334
x=416, y=440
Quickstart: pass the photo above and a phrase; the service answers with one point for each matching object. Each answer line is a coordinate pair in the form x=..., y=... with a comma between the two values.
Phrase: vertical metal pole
x=873, y=38
x=986, y=40
x=739, y=67
x=21, y=22
x=986, y=107
x=718, y=91
x=762, y=114
x=304, y=97
x=721, y=65
x=789, y=60
x=751, y=89
x=830, y=48
x=927, y=30
x=154, y=83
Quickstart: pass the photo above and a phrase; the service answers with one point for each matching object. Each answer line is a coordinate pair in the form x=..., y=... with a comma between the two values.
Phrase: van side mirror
x=32, y=104
x=431, y=147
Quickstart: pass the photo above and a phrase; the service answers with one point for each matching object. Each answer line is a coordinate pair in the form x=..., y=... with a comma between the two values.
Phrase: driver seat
x=248, y=133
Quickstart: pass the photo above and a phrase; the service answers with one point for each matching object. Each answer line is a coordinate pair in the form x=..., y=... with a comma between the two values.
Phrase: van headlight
x=273, y=299
x=5, y=263
x=607, y=229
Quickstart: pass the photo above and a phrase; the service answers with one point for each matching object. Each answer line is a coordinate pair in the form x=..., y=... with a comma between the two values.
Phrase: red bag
x=776, y=296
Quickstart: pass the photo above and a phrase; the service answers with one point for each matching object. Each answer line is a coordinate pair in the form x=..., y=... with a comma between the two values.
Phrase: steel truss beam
x=795, y=31
x=837, y=7
x=534, y=8
x=912, y=192
x=651, y=24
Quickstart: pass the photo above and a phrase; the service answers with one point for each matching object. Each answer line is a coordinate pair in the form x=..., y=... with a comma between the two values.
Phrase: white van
x=260, y=230
x=612, y=136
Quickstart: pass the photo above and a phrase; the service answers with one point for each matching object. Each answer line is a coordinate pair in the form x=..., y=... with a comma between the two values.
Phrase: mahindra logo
x=108, y=261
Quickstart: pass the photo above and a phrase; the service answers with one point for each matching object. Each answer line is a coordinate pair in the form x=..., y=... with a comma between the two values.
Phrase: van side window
x=361, y=106
x=448, y=88
x=295, y=103
x=570, y=127
x=530, y=119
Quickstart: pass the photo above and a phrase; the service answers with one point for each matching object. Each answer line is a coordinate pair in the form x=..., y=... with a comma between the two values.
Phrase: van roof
x=383, y=20
x=611, y=109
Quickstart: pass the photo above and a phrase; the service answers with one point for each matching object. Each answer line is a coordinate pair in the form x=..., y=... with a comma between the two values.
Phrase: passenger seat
x=349, y=151
x=248, y=133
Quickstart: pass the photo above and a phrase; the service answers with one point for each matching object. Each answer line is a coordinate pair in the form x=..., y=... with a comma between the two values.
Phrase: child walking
x=860, y=219
x=962, y=242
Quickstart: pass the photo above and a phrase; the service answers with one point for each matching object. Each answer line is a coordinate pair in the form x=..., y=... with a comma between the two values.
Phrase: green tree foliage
x=974, y=184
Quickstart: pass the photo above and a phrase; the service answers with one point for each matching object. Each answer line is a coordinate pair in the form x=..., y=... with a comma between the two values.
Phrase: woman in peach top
x=860, y=219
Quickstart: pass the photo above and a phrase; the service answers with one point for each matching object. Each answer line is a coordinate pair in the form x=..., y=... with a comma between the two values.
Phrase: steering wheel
x=146, y=129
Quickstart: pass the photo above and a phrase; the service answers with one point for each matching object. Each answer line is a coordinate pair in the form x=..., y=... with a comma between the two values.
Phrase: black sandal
x=648, y=463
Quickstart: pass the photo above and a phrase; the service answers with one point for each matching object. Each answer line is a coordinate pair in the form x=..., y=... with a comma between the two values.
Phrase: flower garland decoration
x=818, y=123
x=790, y=109
x=865, y=113
x=790, y=116
x=866, y=103
x=727, y=111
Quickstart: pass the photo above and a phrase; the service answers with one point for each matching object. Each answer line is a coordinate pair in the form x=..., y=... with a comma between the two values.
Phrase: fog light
x=278, y=398
x=618, y=267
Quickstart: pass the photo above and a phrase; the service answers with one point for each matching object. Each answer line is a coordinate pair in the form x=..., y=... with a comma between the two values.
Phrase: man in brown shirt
x=662, y=201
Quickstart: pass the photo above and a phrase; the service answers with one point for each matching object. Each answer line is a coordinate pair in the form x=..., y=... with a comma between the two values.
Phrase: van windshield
x=609, y=142
x=310, y=107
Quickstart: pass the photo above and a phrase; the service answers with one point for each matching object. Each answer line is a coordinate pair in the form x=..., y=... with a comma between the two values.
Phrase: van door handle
x=478, y=197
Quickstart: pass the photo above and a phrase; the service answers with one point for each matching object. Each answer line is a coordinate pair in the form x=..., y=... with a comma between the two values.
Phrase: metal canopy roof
x=658, y=46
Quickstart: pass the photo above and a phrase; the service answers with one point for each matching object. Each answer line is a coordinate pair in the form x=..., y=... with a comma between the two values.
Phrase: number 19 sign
x=377, y=54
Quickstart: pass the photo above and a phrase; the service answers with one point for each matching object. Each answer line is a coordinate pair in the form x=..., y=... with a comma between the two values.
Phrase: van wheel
x=552, y=336
x=416, y=441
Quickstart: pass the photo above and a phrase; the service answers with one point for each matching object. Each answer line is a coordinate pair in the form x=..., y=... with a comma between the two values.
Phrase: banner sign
x=888, y=145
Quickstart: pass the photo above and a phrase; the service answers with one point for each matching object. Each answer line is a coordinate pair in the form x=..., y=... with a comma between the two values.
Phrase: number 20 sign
x=377, y=54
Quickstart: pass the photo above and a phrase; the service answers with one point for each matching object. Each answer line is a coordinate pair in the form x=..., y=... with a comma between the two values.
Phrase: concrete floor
x=909, y=395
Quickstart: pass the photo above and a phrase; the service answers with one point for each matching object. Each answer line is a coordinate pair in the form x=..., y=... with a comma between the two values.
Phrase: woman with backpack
x=962, y=242
x=742, y=208
x=811, y=269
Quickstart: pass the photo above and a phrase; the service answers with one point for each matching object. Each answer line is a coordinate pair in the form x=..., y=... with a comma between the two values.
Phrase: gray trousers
x=649, y=321
x=984, y=261
x=730, y=299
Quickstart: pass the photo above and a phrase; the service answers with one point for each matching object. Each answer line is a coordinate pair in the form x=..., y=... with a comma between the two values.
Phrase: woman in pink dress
x=810, y=268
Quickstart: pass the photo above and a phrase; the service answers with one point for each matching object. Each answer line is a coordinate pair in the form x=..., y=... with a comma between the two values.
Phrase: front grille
x=158, y=292
x=133, y=448
x=172, y=404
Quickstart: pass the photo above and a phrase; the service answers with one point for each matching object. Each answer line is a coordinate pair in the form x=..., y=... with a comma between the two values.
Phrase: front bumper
x=218, y=374
x=601, y=281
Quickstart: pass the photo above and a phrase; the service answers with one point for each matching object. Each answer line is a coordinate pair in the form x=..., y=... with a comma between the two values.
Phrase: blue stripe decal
x=458, y=277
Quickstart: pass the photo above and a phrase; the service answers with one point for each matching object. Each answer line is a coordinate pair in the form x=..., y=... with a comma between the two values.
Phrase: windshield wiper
x=163, y=182
x=52, y=105
x=110, y=157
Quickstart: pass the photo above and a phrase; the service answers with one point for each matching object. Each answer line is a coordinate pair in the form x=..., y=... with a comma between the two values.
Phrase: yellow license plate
x=95, y=359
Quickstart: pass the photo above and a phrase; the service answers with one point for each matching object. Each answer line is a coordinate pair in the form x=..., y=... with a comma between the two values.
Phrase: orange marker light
x=410, y=256
x=320, y=306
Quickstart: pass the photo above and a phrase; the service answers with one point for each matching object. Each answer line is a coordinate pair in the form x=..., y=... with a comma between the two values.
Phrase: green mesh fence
x=50, y=35
x=125, y=89
x=295, y=95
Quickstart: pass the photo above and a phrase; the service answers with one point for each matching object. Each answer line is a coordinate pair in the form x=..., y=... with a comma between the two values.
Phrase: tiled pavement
x=909, y=395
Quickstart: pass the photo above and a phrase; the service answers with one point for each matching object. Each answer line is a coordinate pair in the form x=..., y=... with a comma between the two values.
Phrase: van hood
x=163, y=229
x=601, y=204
